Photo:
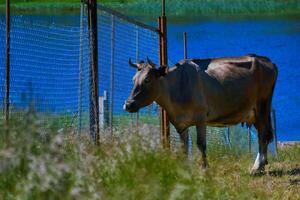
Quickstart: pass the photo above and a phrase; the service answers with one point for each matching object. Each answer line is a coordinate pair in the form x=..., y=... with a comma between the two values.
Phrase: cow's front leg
x=201, y=142
x=184, y=137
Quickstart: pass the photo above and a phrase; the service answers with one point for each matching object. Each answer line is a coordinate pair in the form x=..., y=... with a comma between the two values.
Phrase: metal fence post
x=185, y=57
x=80, y=91
x=7, y=66
x=112, y=74
x=94, y=104
x=249, y=140
x=163, y=57
x=184, y=46
x=137, y=56
x=273, y=119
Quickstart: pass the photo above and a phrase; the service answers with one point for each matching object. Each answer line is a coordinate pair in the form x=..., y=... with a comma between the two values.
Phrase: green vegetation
x=39, y=165
x=174, y=7
x=215, y=7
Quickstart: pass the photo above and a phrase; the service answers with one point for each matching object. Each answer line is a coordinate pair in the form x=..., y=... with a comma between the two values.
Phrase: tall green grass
x=35, y=165
x=174, y=7
x=217, y=7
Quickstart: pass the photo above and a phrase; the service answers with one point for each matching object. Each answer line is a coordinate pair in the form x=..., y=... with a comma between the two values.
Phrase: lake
x=278, y=39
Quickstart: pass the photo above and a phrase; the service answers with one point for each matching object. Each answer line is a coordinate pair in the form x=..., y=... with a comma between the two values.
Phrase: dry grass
x=38, y=165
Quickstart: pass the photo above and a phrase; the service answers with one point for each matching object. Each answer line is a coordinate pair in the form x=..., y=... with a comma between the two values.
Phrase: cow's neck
x=181, y=114
x=173, y=109
x=164, y=99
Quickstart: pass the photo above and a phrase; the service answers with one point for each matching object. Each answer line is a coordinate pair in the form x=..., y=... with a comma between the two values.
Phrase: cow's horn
x=150, y=62
x=133, y=64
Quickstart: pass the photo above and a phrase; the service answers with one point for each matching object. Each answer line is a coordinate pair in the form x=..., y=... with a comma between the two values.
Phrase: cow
x=215, y=92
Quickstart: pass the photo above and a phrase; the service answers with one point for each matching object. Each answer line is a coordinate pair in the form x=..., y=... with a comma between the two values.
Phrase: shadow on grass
x=282, y=172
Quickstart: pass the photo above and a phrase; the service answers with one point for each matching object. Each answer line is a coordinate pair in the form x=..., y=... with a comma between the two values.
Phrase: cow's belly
x=244, y=115
x=186, y=118
x=235, y=104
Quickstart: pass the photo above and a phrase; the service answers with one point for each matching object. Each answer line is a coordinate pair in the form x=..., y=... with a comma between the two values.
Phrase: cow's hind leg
x=201, y=143
x=265, y=136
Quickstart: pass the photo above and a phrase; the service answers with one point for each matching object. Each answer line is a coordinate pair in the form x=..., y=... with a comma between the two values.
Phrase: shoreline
x=288, y=144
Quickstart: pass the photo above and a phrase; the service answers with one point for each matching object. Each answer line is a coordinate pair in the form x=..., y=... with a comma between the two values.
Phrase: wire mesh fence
x=50, y=74
x=119, y=40
x=44, y=71
x=2, y=63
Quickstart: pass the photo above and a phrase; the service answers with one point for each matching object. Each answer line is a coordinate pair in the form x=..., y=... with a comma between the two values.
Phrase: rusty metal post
x=184, y=46
x=185, y=57
x=163, y=8
x=7, y=68
x=163, y=58
x=94, y=102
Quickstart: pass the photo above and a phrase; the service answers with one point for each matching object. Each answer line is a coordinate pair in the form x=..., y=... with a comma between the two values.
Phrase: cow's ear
x=162, y=70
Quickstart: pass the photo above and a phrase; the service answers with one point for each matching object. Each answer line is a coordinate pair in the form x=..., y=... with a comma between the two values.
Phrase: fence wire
x=120, y=40
x=44, y=71
x=2, y=63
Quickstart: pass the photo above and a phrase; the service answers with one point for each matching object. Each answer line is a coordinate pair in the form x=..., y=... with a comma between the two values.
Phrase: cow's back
x=231, y=85
x=229, y=71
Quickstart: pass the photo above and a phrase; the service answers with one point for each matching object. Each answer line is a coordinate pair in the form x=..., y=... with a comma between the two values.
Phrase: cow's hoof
x=203, y=164
x=257, y=171
x=259, y=165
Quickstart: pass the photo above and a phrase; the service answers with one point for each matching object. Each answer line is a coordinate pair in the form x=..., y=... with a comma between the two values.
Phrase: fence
x=121, y=38
x=44, y=72
x=51, y=76
x=51, y=73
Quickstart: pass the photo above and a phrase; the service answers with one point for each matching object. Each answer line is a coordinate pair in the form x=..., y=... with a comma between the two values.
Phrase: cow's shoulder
x=198, y=64
x=263, y=58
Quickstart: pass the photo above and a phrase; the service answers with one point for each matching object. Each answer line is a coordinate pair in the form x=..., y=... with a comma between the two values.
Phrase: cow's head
x=146, y=83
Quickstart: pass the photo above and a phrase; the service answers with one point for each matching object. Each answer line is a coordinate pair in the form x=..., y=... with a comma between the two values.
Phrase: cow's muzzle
x=130, y=106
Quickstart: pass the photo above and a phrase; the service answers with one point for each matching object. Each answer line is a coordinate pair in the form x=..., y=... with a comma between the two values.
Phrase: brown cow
x=216, y=92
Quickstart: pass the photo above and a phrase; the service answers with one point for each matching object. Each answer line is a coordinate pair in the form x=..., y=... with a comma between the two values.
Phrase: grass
x=216, y=7
x=35, y=165
x=174, y=7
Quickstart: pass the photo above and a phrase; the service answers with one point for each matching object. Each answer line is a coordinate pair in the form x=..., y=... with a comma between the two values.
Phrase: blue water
x=45, y=59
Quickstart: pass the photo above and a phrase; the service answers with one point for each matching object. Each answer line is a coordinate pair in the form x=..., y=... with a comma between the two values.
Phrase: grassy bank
x=174, y=7
x=35, y=165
